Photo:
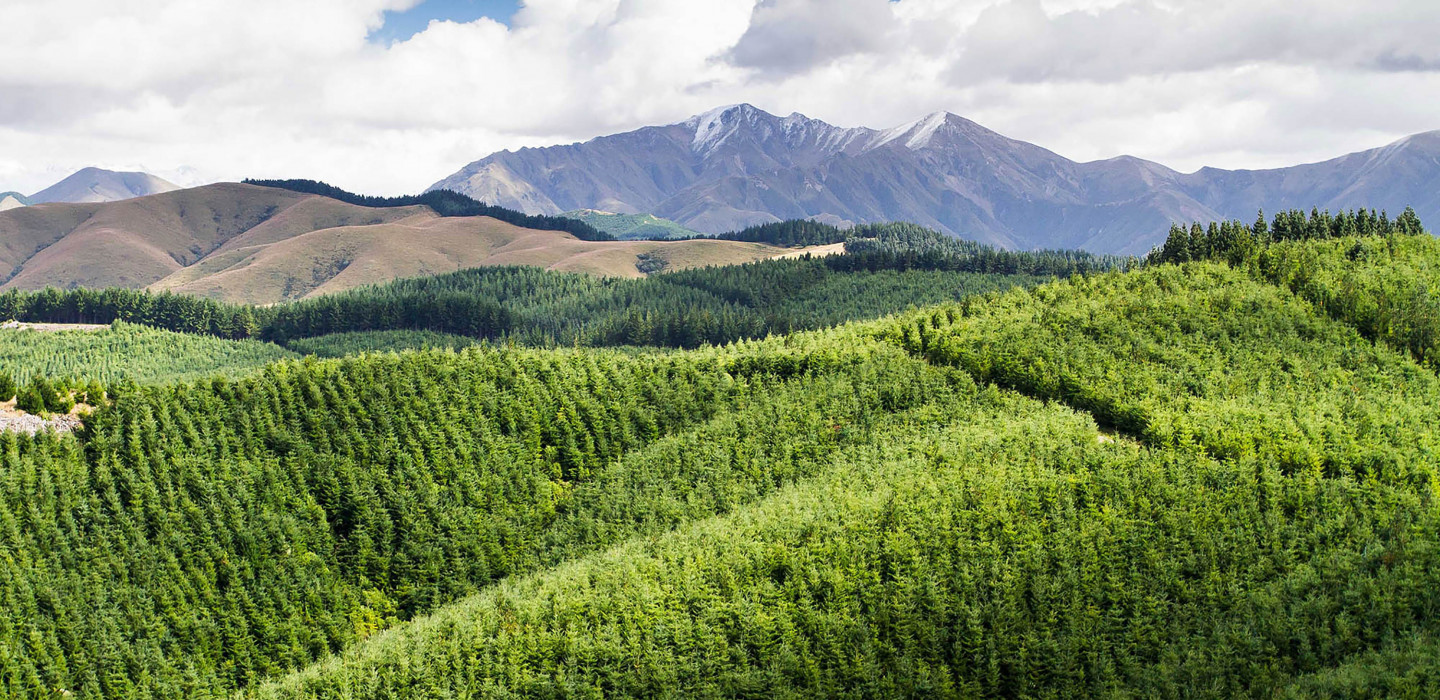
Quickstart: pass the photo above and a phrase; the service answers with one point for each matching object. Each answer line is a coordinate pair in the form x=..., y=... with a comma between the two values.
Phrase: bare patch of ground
x=22, y=422
x=817, y=251
x=54, y=327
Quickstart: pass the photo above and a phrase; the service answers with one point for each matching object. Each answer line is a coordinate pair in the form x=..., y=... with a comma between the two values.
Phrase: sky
x=389, y=96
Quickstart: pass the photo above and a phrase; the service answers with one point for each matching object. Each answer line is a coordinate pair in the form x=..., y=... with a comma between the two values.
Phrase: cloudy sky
x=388, y=96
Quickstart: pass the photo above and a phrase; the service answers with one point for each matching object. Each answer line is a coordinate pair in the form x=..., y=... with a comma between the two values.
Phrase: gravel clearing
x=31, y=424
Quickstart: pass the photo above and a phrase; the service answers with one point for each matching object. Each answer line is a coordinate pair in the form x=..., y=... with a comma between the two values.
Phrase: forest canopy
x=1212, y=477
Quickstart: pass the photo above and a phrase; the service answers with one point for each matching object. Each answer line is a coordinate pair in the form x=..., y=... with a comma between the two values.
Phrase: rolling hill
x=263, y=245
x=97, y=185
x=738, y=166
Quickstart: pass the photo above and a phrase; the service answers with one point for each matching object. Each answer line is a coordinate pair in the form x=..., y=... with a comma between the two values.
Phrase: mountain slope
x=96, y=185
x=738, y=166
x=239, y=242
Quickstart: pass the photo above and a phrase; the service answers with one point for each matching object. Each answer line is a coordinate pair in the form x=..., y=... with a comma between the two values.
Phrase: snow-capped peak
x=926, y=128
x=714, y=126
x=917, y=134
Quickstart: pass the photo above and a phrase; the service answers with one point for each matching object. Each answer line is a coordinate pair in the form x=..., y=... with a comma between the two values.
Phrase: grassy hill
x=632, y=226
x=335, y=259
x=1209, y=478
x=247, y=243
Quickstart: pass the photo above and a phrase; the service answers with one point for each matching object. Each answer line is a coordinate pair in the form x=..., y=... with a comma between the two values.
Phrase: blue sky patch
x=400, y=26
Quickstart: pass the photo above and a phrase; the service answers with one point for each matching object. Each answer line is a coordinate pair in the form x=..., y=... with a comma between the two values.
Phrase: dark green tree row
x=175, y=312
x=445, y=203
x=684, y=309
x=794, y=233
x=1233, y=241
x=911, y=247
x=903, y=246
x=192, y=540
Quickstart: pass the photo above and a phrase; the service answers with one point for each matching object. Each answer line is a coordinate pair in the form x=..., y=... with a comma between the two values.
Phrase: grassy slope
x=263, y=245
x=336, y=259
x=126, y=351
x=131, y=243
x=632, y=226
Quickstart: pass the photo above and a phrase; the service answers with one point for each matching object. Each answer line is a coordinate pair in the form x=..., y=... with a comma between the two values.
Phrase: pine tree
x=30, y=400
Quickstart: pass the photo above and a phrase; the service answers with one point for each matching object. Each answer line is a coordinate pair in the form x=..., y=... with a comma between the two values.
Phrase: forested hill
x=1212, y=478
x=535, y=307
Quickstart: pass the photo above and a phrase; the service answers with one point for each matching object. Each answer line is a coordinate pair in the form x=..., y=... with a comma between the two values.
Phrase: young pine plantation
x=888, y=474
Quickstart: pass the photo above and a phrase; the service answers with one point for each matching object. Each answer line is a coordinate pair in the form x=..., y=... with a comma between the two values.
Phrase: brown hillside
x=335, y=259
x=264, y=245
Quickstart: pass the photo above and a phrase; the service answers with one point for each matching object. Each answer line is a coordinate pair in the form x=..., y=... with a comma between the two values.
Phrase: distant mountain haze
x=739, y=165
x=92, y=185
x=13, y=200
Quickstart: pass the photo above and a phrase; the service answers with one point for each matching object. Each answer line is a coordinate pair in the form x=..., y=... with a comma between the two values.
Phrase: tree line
x=1235, y=241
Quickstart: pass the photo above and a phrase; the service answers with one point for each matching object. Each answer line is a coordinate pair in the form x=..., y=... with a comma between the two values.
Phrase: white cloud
x=223, y=89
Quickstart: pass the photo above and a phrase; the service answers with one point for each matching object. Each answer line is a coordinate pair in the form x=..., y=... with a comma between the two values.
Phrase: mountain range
x=244, y=243
x=739, y=165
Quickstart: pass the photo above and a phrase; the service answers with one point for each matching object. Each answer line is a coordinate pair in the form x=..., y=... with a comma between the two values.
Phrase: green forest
x=921, y=468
